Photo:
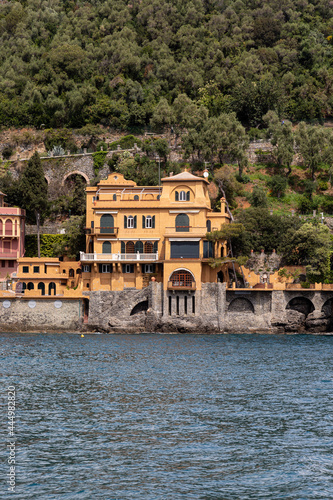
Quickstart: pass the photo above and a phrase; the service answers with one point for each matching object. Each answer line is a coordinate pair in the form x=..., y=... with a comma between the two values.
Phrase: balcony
x=109, y=231
x=179, y=231
x=181, y=285
x=118, y=257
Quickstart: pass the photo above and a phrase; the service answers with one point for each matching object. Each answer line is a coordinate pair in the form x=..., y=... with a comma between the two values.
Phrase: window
x=128, y=268
x=86, y=268
x=148, y=247
x=36, y=269
x=25, y=269
x=136, y=198
x=208, y=249
x=148, y=222
x=130, y=222
x=208, y=226
x=105, y=268
x=10, y=263
x=182, y=196
x=182, y=278
x=114, y=197
x=92, y=224
x=30, y=286
x=3, y=264
x=182, y=223
x=184, y=249
x=148, y=268
x=138, y=247
x=130, y=247
x=107, y=224
x=106, y=248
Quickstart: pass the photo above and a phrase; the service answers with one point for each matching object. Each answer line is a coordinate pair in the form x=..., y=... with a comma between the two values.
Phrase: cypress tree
x=33, y=187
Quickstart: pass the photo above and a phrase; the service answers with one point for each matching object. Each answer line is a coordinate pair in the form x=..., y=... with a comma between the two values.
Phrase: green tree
x=74, y=240
x=310, y=245
x=315, y=145
x=33, y=187
x=282, y=139
x=258, y=197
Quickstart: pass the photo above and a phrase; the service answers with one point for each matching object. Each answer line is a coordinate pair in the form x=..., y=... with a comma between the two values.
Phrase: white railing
x=117, y=257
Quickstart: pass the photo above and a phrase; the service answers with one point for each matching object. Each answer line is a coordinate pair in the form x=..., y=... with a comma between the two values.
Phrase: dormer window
x=182, y=196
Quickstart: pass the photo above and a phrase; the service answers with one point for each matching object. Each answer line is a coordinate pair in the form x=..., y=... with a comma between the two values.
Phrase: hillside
x=121, y=64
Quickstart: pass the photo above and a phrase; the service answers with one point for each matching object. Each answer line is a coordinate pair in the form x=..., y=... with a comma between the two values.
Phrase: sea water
x=158, y=417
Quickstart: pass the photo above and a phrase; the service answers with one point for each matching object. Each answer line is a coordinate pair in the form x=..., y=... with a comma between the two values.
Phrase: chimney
x=170, y=174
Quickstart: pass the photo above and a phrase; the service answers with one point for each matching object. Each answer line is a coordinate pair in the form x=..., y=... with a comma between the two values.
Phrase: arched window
x=30, y=285
x=107, y=224
x=136, y=198
x=182, y=196
x=8, y=227
x=208, y=226
x=148, y=247
x=182, y=223
x=52, y=288
x=114, y=197
x=106, y=247
x=130, y=247
x=41, y=286
x=138, y=247
x=71, y=273
x=182, y=278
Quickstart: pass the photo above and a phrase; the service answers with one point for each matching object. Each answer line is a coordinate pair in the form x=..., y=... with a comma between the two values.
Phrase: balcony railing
x=118, y=257
x=181, y=285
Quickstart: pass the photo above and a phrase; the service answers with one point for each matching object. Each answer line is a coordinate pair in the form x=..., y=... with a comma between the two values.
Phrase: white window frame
x=86, y=268
x=128, y=269
x=149, y=222
x=130, y=222
x=182, y=196
x=149, y=268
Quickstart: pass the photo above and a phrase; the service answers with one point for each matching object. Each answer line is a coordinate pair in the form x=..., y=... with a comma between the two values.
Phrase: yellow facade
x=48, y=276
x=135, y=234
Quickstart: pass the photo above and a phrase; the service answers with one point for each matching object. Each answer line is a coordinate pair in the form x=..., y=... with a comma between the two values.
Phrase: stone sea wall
x=213, y=309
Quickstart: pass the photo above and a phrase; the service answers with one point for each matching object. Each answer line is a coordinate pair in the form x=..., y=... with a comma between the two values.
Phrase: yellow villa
x=136, y=234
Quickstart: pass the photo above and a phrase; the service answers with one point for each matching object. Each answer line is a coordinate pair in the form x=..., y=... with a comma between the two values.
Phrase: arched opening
x=301, y=304
x=327, y=309
x=8, y=227
x=140, y=307
x=130, y=248
x=78, y=271
x=182, y=278
x=71, y=273
x=136, y=197
x=241, y=305
x=106, y=248
x=138, y=247
x=41, y=286
x=107, y=224
x=30, y=286
x=148, y=247
x=72, y=178
x=85, y=310
x=182, y=223
x=52, y=288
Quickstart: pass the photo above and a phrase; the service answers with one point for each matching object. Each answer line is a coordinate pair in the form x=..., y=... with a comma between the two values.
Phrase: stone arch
x=140, y=307
x=75, y=172
x=241, y=305
x=327, y=308
x=47, y=178
x=301, y=304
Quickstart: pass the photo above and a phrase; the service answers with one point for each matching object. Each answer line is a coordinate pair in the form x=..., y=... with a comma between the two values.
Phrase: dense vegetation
x=66, y=63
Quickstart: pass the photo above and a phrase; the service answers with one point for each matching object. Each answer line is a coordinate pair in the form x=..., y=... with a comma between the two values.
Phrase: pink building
x=12, y=232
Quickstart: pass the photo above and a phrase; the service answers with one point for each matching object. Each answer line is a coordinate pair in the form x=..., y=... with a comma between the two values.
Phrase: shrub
x=7, y=152
x=278, y=185
x=323, y=185
x=304, y=205
x=258, y=197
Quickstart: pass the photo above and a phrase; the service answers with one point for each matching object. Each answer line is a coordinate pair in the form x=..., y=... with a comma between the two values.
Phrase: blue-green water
x=160, y=417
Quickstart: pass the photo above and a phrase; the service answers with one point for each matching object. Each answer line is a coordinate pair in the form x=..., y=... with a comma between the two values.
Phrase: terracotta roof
x=184, y=176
